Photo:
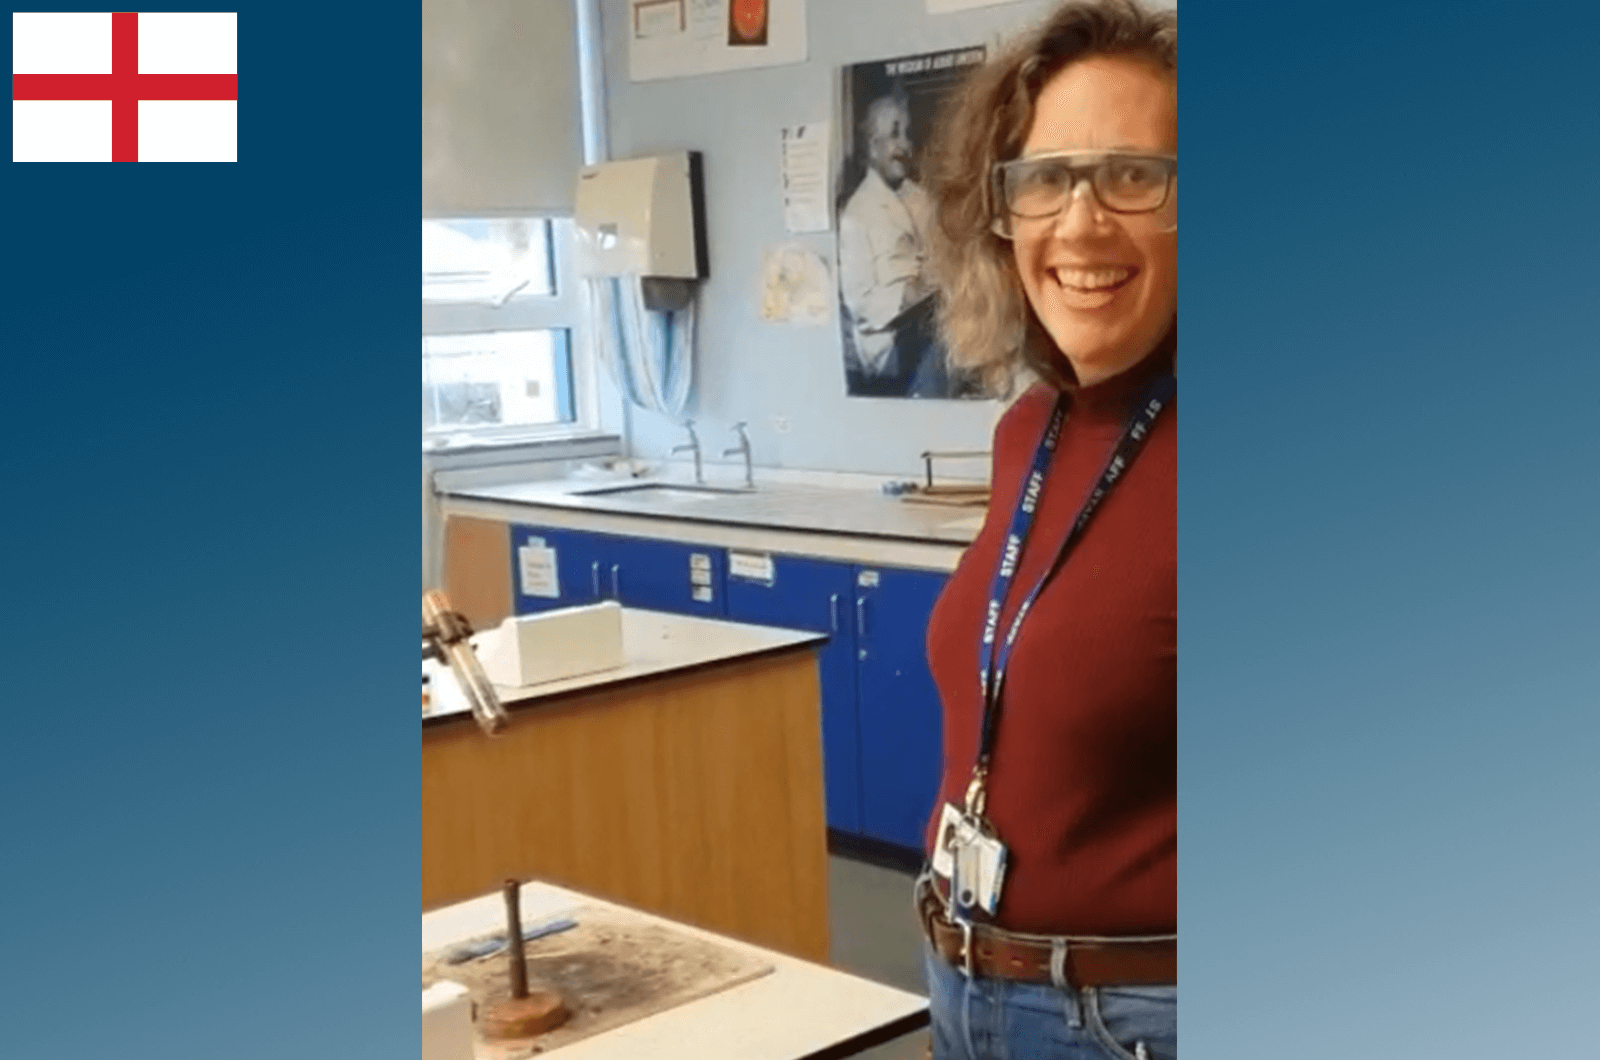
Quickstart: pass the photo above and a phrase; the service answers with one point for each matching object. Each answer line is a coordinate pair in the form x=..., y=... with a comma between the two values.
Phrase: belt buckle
x=966, y=946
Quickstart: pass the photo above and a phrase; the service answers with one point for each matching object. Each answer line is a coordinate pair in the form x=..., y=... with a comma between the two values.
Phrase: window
x=485, y=261
x=498, y=316
x=496, y=379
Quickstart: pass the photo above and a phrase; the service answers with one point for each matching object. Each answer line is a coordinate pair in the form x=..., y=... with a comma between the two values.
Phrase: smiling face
x=1104, y=285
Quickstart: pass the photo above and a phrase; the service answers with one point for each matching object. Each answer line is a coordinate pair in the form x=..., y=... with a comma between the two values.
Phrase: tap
x=694, y=444
x=743, y=447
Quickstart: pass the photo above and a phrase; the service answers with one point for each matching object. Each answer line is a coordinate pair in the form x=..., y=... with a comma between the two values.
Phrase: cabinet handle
x=616, y=590
x=861, y=616
x=594, y=578
x=833, y=612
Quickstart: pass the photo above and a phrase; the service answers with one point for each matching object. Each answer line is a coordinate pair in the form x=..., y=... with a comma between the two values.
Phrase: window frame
x=561, y=311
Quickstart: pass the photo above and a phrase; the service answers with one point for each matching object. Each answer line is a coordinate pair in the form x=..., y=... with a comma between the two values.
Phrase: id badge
x=971, y=857
x=989, y=863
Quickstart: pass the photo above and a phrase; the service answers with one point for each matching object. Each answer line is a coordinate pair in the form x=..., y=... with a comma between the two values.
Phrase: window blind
x=501, y=122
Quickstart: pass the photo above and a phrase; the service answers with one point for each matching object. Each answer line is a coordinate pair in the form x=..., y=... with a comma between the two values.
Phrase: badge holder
x=989, y=853
x=969, y=854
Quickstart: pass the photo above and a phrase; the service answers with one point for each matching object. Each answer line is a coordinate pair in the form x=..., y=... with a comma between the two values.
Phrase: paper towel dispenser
x=642, y=217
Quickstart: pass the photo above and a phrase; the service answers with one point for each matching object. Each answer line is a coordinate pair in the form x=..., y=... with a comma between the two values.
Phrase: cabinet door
x=815, y=595
x=901, y=739
x=553, y=568
x=661, y=575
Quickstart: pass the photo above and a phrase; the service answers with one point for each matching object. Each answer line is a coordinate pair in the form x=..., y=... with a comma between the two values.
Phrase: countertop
x=800, y=1009
x=777, y=505
x=653, y=643
x=855, y=523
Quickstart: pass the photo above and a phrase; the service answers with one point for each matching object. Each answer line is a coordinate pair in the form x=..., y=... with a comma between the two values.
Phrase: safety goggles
x=1142, y=187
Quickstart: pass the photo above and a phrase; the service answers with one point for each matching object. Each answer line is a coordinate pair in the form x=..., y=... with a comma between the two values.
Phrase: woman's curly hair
x=984, y=316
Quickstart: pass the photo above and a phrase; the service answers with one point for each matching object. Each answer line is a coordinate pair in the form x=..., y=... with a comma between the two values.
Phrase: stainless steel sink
x=663, y=489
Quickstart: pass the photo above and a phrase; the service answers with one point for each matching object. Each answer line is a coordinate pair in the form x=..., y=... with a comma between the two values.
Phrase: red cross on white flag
x=124, y=87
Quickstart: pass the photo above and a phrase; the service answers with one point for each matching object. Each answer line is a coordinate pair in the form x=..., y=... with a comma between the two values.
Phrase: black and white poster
x=886, y=302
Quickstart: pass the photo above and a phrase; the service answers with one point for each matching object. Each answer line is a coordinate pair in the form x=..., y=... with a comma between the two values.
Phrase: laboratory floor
x=874, y=934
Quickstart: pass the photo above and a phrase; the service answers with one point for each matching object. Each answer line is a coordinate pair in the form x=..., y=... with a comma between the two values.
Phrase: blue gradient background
x=209, y=761
x=1389, y=516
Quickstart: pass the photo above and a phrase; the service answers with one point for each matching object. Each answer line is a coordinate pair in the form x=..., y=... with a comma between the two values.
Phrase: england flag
x=124, y=87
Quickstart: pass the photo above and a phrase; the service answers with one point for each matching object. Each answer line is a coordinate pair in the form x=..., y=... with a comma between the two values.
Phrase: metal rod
x=949, y=454
x=519, y=959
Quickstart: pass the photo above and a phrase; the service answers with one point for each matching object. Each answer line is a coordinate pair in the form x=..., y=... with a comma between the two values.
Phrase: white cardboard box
x=447, y=1022
x=551, y=645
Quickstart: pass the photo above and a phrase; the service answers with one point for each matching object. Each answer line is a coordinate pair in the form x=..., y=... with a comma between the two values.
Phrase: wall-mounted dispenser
x=642, y=250
x=642, y=217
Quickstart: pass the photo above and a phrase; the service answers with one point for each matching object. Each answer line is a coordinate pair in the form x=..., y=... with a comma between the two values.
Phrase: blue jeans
x=997, y=1019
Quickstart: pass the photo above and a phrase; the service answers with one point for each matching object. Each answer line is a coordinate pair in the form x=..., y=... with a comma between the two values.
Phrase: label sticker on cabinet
x=536, y=570
x=702, y=594
x=699, y=561
x=867, y=579
x=753, y=566
x=699, y=577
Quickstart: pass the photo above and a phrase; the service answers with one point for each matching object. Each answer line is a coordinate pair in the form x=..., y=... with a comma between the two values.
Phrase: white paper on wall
x=795, y=286
x=682, y=38
x=806, y=177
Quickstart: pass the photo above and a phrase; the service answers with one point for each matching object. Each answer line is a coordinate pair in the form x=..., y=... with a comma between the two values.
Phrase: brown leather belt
x=998, y=954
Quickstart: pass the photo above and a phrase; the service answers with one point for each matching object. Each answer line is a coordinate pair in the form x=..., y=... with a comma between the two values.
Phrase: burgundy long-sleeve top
x=1083, y=782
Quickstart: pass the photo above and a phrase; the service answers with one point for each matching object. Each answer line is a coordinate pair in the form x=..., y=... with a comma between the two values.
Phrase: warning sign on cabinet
x=536, y=570
x=752, y=566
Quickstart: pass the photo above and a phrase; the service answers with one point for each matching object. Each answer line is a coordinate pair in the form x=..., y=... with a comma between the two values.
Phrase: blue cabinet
x=897, y=702
x=881, y=736
x=553, y=568
x=663, y=575
x=817, y=595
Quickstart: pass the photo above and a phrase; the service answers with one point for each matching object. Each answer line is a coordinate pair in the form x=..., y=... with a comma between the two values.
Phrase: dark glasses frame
x=1094, y=166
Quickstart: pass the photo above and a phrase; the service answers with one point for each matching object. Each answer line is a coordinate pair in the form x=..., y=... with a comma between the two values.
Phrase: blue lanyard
x=992, y=670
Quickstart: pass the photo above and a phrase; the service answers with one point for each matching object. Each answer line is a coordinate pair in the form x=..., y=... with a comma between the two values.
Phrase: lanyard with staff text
x=992, y=668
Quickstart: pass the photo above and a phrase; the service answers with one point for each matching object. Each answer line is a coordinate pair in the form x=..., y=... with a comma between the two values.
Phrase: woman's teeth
x=1092, y=279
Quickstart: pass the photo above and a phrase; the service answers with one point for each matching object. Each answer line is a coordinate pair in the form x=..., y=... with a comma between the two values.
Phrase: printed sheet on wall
x=683, y=38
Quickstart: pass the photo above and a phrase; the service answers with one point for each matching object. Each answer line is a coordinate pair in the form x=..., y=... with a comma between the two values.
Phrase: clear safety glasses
x=1143, y=188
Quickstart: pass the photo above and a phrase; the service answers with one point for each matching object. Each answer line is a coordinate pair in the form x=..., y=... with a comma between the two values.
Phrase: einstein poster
x=886, y=302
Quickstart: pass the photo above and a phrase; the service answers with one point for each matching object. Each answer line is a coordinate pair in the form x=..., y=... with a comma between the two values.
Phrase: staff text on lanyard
x=991, y=664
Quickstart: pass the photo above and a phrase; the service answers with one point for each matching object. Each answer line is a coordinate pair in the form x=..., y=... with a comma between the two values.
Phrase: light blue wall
x=748, y=369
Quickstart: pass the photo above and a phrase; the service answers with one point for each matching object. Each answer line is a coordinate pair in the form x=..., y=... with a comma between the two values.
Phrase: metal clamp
x=976, y=796
x=949, y=454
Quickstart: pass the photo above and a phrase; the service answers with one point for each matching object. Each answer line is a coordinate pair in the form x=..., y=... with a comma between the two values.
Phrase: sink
x=663, y=489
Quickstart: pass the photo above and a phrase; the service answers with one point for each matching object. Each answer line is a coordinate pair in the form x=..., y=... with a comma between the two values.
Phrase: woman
x=1050, y=903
